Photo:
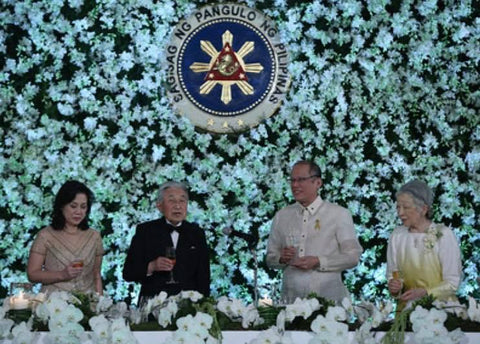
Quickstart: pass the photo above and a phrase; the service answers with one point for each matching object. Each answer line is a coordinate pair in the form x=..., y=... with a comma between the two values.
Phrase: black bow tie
x=172, y=228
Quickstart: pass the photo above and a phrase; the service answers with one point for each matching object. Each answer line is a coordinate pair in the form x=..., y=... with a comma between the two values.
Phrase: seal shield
x=228, y=70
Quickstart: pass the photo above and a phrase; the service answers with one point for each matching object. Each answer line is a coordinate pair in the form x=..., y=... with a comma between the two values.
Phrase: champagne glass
x=77, y=262
x=292, y=241
x=398, y=276
x=170, y=254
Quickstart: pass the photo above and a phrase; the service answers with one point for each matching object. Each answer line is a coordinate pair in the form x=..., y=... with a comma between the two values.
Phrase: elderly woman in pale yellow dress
x=67, y=255
x=423, y=257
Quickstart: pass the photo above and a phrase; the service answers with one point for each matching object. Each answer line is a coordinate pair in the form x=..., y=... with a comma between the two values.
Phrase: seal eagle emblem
x=227, y=68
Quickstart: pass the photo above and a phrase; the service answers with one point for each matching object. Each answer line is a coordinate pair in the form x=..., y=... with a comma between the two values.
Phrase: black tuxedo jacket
x=192, y=267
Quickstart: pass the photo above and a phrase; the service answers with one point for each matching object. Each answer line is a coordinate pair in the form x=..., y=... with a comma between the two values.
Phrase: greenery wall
x=382, y=91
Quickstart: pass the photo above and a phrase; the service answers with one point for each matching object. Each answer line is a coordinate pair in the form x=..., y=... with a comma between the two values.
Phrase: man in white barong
x=313, y=241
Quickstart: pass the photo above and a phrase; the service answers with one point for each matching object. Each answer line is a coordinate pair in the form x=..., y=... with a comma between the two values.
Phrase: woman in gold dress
x=423, y=257
x=67, y=255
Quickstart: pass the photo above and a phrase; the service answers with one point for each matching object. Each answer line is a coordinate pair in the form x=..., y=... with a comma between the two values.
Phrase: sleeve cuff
x=320, y=267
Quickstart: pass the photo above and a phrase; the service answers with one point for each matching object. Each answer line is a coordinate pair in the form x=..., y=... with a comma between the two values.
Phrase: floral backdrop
x=382, y=92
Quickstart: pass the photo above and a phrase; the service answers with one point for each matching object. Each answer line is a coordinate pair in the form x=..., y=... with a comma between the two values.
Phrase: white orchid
x=473, y=309
x=198, y=325
x=364, y=335
x=22, y=333
x=301, y=307
x=69, y=314
x=5, y=327
x=237, y=311
x=104, y=303
x=121, y=333
x=101, y=329
x=155, y=302
x=336, y=313
x=329, y=330
x=192, y=295
x=428, y=327
x=272, y=335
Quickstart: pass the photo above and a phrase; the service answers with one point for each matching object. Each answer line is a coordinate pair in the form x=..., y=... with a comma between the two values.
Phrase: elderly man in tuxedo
x=147, y=262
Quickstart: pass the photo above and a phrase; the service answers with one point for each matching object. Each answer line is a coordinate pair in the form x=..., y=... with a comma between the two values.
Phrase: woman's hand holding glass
x=395, y=284
x=71, y=271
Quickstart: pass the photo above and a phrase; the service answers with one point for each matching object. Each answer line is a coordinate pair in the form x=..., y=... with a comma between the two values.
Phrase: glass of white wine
x=292, y=241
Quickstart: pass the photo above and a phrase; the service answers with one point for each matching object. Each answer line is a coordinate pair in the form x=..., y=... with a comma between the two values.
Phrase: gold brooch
x=317, y=224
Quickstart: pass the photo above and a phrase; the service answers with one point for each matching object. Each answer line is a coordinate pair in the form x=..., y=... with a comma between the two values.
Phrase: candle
x=19, y=302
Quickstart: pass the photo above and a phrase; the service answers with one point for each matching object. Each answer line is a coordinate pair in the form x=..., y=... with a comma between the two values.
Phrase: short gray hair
x=170, y=184
x=421, y=194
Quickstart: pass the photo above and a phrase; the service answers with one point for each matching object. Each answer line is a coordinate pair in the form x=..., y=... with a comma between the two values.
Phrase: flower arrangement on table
x=192, y=318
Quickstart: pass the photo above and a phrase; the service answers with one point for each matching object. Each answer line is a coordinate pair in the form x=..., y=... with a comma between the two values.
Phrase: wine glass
x=170, y=254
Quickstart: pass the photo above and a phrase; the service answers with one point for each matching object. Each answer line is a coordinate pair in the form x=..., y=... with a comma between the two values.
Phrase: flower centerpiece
x=193, y=318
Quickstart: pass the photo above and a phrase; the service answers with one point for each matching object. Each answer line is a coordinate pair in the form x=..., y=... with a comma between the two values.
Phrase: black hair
x=313, y=167
x=65, y=195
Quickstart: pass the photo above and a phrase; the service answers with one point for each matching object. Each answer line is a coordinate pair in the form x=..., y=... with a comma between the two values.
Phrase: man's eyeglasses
x=301, y=179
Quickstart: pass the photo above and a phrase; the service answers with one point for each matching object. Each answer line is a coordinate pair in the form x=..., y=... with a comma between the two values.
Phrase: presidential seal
x=227, y=69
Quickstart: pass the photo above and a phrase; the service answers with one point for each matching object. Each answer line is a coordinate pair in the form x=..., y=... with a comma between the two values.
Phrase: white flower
x=328, y=331
x=69, y=314
x=50, y=307
x=198, y=325
x=104, y=303
x=156, y=301
x=281, y=321
x=434, y=232
x=301, y=307
x=272, y=335
x=457, y=336
x=101, y=329
x=473, y=310
x=203, y=319
x=121, y=333
x=250, y=316
x=347, y=305
x=65, y=109
x=428, y=326
x=192, y=295
x=90, y=123
x=364, y=335
x=336, y=314
x=22, y=334
x=166, y=314
x=185, y=337
x=5, y=326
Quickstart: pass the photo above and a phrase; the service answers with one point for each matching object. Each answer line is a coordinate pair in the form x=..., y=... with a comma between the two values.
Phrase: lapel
x=161, y=237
